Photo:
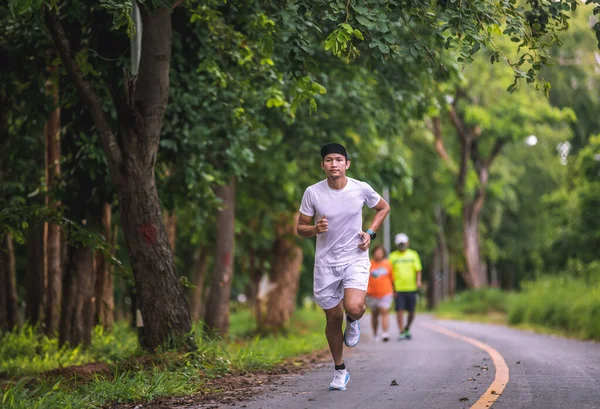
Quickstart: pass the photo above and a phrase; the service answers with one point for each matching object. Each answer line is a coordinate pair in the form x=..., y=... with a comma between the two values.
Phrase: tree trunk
x=452, y=281
x=196, y=293
x=131, y=156
x=475, y=277
x=444, y=253
x=217, y=307
x=256, y=273
x=434, y=286
x=78, y=297
x=53, y=240
x=35, y=278
x=494, y=278
x=285, y=275
x=160, y=295
x=105, y=304
x=9, y=308
x=170, y=222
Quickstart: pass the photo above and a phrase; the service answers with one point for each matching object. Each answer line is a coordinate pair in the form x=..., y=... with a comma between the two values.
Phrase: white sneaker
x=340, y=380
x=385, y=337
x=351, y=333
x=376, y=339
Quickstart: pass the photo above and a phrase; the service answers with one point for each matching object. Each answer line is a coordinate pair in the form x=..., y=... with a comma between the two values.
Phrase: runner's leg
x=333, y=332
x=354, y=302
x=375, y=320
x=400, y=319
x=385, y=319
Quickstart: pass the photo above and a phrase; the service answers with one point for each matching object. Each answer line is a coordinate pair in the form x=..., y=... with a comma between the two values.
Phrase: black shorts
x=406, y=300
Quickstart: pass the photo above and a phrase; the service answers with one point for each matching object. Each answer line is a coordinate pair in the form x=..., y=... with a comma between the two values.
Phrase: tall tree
x=104, y=292
x=131, y=156
x=53, y=238
x=485, y=119
x=216, y=320
x=9, y=310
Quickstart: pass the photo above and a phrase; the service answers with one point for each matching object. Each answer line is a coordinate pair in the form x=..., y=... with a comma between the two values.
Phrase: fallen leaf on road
x=394, y=383
x=463, y=399
x=471, y=379
x=518, y=362
x=312, y=399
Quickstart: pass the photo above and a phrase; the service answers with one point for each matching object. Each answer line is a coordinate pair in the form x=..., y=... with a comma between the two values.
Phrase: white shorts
x=330, y=282
x=384, y=302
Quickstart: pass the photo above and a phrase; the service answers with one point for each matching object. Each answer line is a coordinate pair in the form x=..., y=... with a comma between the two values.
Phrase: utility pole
x=386, y=223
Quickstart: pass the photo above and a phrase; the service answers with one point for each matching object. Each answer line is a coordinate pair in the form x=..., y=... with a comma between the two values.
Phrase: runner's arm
x=382, y=208
x=305, y=226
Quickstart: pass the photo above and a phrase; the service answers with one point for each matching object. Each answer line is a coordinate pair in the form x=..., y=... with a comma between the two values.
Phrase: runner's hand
x=366, y=241
x=322, y=225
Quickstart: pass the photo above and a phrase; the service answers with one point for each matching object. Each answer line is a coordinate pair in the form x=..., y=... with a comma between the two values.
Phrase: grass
x=556, y=305
x=26, y=351
x=134, y=377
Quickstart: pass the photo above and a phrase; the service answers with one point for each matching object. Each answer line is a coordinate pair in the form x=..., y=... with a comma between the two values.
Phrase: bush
x=565, y=304
x=482, y=301
x=560, y=303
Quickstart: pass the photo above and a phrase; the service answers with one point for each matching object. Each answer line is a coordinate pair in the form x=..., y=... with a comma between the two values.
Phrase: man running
x=407, y=279
x=341, y=271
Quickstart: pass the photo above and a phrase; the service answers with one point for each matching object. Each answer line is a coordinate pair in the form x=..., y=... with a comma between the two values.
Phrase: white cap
x=400, y=238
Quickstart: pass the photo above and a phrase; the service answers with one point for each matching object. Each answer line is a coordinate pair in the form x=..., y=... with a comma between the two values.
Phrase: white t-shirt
x=343, y=208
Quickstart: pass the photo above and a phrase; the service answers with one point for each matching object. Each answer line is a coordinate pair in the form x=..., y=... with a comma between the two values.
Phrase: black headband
x=333, y=148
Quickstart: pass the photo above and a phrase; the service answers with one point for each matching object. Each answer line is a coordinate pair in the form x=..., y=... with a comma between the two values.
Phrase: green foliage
x=482, y=301
x=171, y=375
x=25, y=351
x=340, y=42
x=568, y=305
x=574, y=309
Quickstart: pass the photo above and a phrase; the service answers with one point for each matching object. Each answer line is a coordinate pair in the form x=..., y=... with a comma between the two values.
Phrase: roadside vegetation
x=560, y=305
x=36, y=373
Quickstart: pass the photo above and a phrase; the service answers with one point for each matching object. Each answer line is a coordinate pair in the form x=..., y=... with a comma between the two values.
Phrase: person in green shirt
x=407, y=280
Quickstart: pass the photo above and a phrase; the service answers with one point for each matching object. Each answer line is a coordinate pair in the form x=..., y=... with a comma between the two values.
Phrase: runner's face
x=335, y=165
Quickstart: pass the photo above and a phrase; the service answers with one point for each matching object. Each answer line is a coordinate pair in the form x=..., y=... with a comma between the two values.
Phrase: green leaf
x=319, y=88
x=346, y=27
x=365, y=22
x=547, y=87
x=358, y=34
x=19, y=7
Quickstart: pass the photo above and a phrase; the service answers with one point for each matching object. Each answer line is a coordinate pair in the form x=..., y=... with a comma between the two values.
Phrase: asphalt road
x=435, y=370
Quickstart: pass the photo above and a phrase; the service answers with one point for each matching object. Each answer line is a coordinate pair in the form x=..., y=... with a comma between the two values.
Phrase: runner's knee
x=355, y=310
x=335, y=317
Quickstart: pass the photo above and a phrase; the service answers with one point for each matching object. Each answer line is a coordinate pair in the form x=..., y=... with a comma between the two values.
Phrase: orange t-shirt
x=381, y=280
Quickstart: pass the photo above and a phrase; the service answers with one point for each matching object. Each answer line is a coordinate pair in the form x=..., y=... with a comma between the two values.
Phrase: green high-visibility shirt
x=406, y=264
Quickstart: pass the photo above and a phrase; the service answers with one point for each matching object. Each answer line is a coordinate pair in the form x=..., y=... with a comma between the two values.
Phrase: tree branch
x=465, y=149
x=436, y=128
x=86, y=93
x=458, y=123
x=498, y=145
x=476, y=157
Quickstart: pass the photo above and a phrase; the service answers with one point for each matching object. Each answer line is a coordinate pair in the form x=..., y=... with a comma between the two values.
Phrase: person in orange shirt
x=380, y=292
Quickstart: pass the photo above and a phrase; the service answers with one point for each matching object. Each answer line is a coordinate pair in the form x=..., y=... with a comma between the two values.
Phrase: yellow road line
x=497, y=387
